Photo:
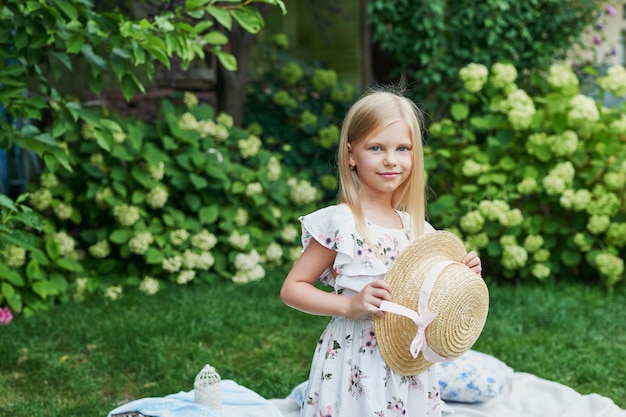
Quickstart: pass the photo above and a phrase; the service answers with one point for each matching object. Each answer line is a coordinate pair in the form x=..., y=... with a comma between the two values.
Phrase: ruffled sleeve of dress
x=332, y=227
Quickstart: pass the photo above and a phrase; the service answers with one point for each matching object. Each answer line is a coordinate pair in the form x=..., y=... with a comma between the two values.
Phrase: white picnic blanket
x=526, y=396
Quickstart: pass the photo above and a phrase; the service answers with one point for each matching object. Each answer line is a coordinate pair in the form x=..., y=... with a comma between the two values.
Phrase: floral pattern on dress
x=368, y=340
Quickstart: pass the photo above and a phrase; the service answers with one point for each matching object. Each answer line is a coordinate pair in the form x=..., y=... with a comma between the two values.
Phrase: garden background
x=157, y=157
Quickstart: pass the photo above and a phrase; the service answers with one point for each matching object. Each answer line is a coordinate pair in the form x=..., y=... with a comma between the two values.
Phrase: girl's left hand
x=473, y=262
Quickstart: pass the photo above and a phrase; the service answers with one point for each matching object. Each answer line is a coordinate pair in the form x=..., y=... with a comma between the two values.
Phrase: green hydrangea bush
x=300, y=108
x=534, y=179
x=188, y=198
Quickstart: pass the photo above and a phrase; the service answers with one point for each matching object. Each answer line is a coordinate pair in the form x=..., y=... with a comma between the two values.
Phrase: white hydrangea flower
x=583, y=110
x=541, y=255
x=502, y=75
x=172, y=264
x=561, y=76
x=614, y=81
x=474, y=76
x=40, y=199
x=249, y=147
x=273, y=169
x=140, y=243
x=185, y=277
x=615, y=181
x=289, y=234
x=514, y=257
x=65, y=243
x=113, y=292
x=187, y=121
x=149, y=285
x=49, y=180
x=204, y=261
x=204, y=240
x=156, y=171
x=126, y=215
x=471, y=168
x=178, y=237
x=254, y=188
x=609, y=265
x=583, y=242
x=225, y=119
x=274, y=252
x=598, y=224
x=206, y=128
x=190, y=99
x=541, y=271
x=14, y=256
x=564, y=144
x=63, y=211
x=241, y=217
x=303, y=193
x=239, y=240
x=533, y=243
x=100, y=249
x=472, y=222
x=575, y=200
x=527, y=186
x=119, y=137
x=520, y=109
x=157, y=197
x=493, y=209
x=511, y=218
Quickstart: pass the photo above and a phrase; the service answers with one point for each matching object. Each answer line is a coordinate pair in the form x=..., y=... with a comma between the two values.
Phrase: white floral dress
x=348, y=376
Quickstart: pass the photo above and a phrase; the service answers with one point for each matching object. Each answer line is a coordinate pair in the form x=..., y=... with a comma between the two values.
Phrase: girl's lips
x=389, y=174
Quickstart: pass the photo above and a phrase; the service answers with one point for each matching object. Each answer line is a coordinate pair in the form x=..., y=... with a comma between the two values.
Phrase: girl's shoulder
x=331, y=215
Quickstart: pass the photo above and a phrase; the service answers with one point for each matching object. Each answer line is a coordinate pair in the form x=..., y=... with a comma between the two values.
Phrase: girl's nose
x=390, y=160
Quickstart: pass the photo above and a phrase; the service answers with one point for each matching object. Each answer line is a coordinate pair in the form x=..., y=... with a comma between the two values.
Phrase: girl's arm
x=298, y=290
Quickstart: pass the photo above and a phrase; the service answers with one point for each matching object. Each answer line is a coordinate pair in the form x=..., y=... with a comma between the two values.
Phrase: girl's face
x=384, y=159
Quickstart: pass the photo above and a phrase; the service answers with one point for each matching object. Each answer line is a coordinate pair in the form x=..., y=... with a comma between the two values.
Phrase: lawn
x=85, y=359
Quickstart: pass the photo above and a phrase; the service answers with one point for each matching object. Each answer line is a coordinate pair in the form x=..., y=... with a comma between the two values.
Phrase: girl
x=350, y=246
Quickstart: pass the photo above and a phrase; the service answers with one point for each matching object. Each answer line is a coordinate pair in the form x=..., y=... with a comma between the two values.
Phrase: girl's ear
x=351, y=160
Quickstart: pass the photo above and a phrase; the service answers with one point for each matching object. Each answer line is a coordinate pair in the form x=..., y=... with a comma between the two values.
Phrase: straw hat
x=455, y=297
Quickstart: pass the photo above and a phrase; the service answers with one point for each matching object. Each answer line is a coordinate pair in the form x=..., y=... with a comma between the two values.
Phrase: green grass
x=86, y=359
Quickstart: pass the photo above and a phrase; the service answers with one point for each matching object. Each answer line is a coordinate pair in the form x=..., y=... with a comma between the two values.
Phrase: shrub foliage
x=536, y=183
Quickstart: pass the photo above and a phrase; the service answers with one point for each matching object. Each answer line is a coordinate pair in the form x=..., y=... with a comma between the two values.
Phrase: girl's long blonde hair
x=374, y=111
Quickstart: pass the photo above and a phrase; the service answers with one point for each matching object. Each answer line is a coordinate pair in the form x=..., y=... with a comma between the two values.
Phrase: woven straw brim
x=460, y=298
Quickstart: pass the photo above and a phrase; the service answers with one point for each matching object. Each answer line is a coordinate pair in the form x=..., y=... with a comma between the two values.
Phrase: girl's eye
x=403, y=148
x=375, y=148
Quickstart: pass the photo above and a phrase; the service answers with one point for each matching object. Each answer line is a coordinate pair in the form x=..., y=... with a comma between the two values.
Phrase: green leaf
x=208, y=215
x=52, y=249
x=70, y=265
x=153, y=256
x=93, y=58
x=221, y=16
x=11, y=276
x=249, y=18
x=193, y=201
x=67, y=8
x=459, y=111
x=120, y=236
x=227, y=60
x=215, y=38
x=32, y=270
x=198, y=181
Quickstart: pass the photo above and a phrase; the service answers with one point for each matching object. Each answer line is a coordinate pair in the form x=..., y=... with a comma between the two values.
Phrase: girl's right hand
x=368, y=300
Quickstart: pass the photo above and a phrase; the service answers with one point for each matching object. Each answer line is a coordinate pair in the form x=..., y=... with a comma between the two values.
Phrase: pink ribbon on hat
x=422, y=317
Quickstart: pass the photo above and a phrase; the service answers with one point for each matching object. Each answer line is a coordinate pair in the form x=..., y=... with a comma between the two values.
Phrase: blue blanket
x=237, y=401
